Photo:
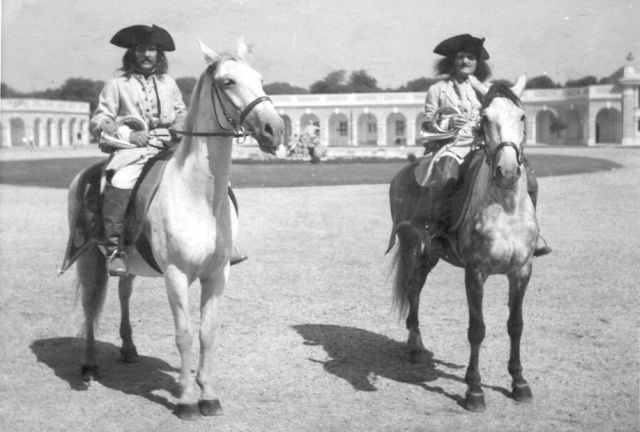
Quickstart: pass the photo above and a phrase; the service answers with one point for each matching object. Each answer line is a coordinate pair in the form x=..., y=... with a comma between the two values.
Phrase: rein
x=237, y=130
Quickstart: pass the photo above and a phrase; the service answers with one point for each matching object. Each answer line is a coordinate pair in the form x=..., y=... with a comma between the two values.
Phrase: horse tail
x=408, y=267
x=92, y=281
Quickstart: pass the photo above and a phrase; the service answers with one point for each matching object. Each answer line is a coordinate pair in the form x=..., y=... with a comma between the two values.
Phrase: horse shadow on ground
x=359, y=357
x=142, y=378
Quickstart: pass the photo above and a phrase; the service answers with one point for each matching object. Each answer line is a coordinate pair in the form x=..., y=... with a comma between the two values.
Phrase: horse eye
x=228, y=82
x=523, y=118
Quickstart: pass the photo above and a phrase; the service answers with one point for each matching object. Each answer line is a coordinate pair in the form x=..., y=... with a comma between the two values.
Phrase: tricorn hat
x=144, y=35
x=464, y=42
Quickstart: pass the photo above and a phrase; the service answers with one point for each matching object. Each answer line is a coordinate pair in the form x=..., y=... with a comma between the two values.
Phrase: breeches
x=124, y=166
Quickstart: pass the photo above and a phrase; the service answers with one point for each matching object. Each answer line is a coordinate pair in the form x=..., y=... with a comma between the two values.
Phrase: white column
x=382, y=132
x=6, y=134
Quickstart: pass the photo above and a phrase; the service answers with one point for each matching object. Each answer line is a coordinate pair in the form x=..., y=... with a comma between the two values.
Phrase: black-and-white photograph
x=290, y=215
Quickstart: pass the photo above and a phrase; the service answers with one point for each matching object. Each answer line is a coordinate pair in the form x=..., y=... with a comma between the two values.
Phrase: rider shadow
x=141, y=378
x=359, y=356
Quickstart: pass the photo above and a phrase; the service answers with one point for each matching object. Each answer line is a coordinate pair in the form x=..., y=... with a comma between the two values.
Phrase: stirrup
x=542, y=251
x=117, y=264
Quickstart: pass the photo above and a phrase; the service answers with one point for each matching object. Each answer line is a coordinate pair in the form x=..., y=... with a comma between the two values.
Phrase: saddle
x=86, y=222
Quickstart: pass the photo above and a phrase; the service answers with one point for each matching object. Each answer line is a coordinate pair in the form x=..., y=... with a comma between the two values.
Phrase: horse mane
x=497, y=90
x=197, y=91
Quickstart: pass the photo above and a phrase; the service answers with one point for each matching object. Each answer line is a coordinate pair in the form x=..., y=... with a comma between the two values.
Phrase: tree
x=280, y=88
x=8, y=92
x=361, y=82
x=582, y=82
x=417, y=85
x=541, y=82
x=334, y=82
x=186, y=85
x=78, y=89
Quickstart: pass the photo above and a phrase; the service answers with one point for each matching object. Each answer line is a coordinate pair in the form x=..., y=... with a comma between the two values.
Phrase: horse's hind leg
x=128, y=350
x=474, y=283
x=92, y=279
x=517, y=287
x=412, y=277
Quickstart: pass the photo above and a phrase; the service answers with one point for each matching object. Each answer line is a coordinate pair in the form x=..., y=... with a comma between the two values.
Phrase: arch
x=62, y=136
x=73, y=132
x=367, y=129
x=18, y=132
x=609, y=126
x=287, y=128
x=52, y=136
x=396, y=129
x=339, y=130
x=309, y=117
x=543, y=127
x=37, y=132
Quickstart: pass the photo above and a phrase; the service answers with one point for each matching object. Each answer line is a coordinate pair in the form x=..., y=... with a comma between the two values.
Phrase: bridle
x=491, y=156
x=236, y=130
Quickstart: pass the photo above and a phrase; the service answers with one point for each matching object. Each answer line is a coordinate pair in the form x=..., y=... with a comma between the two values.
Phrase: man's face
x=146, y=57
x=465, y=64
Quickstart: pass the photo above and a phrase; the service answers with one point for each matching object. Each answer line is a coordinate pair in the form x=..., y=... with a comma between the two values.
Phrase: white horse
x=190, y=223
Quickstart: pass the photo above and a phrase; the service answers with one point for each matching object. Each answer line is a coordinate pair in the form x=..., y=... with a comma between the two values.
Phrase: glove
x=139, y=138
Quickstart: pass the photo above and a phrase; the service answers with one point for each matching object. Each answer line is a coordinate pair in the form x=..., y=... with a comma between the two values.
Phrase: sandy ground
x=309, y=341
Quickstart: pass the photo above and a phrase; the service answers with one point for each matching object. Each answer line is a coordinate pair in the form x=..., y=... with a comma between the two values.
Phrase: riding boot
x=114, y=210
x=236, y=256
x=532, y=189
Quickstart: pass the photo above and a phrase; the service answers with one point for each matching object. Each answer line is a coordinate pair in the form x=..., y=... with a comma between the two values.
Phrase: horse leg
x=517, y=287
x=474, y=283
x=212, y=289
x=413, y=268
x=177, y=286
x=128, y=350
x=93, y=280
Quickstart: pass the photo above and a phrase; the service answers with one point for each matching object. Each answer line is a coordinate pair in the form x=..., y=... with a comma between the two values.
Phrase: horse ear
x=519, y=86
x=478, y=86
x=241, y=48
x=210, y=55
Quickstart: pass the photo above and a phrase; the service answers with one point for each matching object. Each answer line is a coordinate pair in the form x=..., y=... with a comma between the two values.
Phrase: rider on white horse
x=133, y=117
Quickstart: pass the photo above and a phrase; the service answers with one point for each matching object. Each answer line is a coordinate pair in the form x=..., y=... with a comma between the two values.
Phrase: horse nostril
x=268, y=130
x=499, y=172
x=519, y=171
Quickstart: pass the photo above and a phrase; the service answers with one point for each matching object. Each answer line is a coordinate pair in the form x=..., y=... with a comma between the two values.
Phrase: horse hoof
x=474, y=402
x=89, y=373
x=522, y=393
x=129, y=355
x=416, y=356
x=210, y=407
x=187, y=411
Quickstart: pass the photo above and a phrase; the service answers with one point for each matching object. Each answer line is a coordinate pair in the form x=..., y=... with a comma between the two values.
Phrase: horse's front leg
x=517, y=288
x=128, y=350
x=177, y=286
x=212, y=288
x=474, y=283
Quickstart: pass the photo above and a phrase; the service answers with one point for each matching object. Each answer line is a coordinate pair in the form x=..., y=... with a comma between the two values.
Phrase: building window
x=400, y=127
x=343, y=128
x=372, y=127
x=639, y=125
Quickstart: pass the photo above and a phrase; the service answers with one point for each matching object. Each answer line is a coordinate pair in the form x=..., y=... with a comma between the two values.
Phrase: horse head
x=239, y=101
x=503, y=125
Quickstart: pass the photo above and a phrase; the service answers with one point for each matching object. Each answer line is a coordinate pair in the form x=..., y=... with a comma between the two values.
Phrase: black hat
x=144, y=35
x=465, y=42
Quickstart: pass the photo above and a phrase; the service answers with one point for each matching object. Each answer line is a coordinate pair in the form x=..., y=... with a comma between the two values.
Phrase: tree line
x=360, y=81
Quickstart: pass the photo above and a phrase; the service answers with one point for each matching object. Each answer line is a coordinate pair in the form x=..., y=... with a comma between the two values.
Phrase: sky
x=44, y=42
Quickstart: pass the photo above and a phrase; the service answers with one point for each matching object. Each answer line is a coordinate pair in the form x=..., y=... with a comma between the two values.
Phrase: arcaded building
x=597, y=114
x=44, y=123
